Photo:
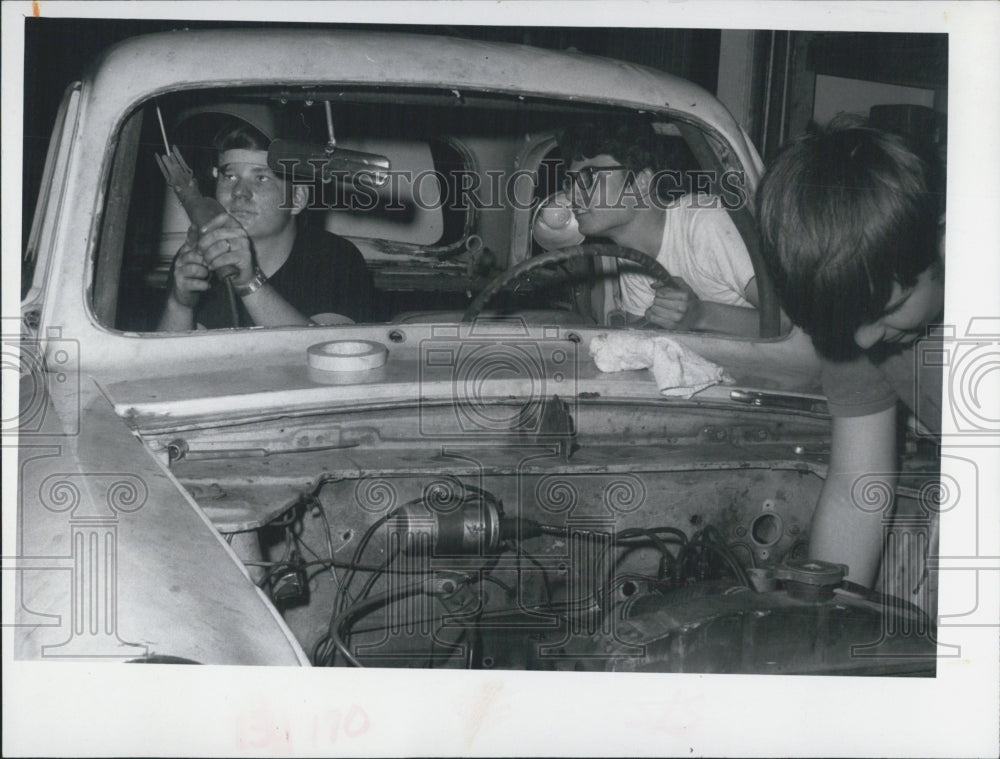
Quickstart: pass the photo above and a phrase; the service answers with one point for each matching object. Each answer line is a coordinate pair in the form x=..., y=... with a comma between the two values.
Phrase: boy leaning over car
x=851, y=237
x=287, y=272
x=611, y=182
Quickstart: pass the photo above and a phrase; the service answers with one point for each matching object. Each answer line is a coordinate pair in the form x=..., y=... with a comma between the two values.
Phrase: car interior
x=469, y=173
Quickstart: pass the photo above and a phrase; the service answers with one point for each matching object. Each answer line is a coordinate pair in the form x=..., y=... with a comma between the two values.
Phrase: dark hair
x=239, y=135
x=845, y=213
x=629, y=138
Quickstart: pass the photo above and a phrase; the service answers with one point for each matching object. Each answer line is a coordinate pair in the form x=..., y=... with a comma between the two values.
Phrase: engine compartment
x=634, y=537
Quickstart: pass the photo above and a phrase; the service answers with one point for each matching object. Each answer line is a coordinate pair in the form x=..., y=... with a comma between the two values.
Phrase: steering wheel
x=647, y=264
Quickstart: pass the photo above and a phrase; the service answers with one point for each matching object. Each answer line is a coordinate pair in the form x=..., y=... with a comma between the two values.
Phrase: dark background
x=782, y=76
x=58, y=51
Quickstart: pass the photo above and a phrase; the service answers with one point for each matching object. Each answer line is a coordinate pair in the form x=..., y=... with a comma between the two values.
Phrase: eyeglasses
x=583, y=179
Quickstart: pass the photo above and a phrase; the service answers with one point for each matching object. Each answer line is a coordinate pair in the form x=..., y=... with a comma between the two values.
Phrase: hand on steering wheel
x=647, y=264
x=675, y=305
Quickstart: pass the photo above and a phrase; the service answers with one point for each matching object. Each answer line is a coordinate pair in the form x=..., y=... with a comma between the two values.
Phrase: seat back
x=406, y=210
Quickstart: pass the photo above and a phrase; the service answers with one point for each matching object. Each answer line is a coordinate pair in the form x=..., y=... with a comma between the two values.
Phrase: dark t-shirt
x=876, y=380
x=323, y=274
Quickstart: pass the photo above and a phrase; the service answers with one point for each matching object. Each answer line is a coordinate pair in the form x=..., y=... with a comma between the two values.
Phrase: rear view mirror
x=311, y=161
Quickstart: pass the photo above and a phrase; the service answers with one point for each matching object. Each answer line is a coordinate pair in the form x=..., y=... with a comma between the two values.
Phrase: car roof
x=141, y=66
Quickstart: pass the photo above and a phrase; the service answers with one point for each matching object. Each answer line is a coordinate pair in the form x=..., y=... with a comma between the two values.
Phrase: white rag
x=678, y=370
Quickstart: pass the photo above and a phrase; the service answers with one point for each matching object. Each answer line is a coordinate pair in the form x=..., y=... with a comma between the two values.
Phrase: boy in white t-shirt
x=614, y=166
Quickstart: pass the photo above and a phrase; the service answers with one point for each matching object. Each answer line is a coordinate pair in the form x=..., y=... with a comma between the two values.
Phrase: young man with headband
x=287, y=272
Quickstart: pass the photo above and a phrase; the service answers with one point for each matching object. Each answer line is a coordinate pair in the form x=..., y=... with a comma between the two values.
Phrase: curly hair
x=845, y=213
x=628, y=137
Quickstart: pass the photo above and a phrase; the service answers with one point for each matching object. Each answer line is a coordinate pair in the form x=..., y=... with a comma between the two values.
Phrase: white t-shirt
x=702, y=246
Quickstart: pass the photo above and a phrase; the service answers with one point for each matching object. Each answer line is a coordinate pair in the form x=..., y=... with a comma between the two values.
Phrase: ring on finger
x=229, y=246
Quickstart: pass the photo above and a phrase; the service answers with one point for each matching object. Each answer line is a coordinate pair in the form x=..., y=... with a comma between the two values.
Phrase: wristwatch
x=256, y=282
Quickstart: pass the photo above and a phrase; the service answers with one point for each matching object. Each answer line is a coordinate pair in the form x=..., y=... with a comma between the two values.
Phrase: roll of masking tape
x=347, y=356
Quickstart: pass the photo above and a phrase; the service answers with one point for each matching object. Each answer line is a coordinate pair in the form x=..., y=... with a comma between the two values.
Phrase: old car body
x=142, y=454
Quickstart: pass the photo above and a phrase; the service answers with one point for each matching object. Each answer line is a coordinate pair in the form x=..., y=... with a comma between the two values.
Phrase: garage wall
x=834, y=94
x=777, y=83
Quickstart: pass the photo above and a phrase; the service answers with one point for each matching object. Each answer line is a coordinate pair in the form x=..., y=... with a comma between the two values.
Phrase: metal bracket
x=555, y=425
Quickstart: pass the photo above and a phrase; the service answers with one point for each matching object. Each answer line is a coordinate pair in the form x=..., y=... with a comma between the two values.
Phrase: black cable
x=359, y=609
x=474, y=630
x=283, y=563
x=382, y=568
x=558, y=609
x=329, y=539
x=719, y=544
x=710, y=538
x=287, y=517
x=655, y=539
x=325, y=564
x=270, y=574
x=323, y=654
x=469, y=629
x=366, y=589
x=290, y=517
x=322, y=480
x=679, y=534
x=343, y=565
x=629, y=532
x=641, y=537
x=369, y=585
x=343, y=597
x=551, y=529
x=325, y=647
x=665, y=540
x=624, y=555
x=626, y=539
x=319, y=559
x=510, y=591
